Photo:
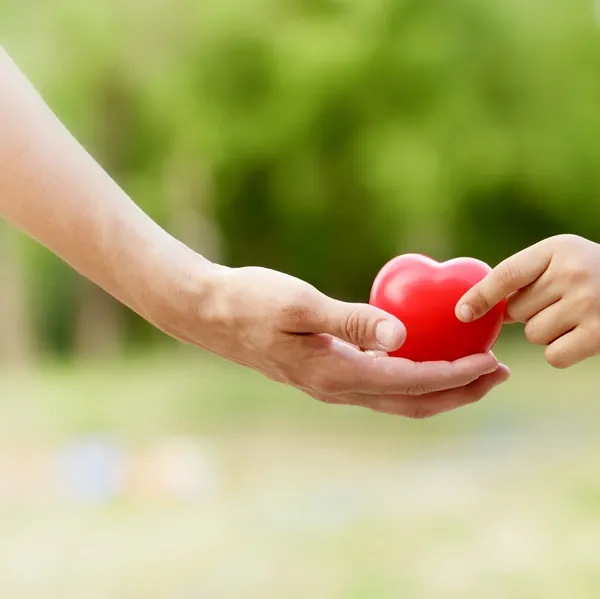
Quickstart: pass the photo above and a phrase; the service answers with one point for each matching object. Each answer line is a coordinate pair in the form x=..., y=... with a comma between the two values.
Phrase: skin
x=52, y=189
x=554, y=288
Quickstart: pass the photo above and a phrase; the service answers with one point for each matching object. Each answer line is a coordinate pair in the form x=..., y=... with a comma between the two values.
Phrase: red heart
x=423, y=294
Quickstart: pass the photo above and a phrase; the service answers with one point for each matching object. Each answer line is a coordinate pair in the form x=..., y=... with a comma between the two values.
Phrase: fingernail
x=386, y=333
x=465, y=313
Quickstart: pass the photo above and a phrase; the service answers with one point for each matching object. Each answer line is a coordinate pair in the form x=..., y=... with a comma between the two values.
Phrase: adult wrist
x=177, y=290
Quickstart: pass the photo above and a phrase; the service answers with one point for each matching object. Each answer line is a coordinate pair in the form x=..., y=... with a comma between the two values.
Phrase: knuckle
x=591, y=344
x=508, y=276
x=418, y=382
x=588, y=302
x=534, y=333
x=566, y=239
x=416, y=388
x=557, y=358
x=593, y=328
x=355, y=327
x=515, y=312
x=573, y=259
x=576, y=273
x=480, y=298
x=297, y=309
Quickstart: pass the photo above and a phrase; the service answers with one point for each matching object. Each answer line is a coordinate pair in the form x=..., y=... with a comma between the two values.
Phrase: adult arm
x=52, y=189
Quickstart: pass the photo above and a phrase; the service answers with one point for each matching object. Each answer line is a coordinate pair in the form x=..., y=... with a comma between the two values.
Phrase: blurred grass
x=188, y=392
x=501, y=499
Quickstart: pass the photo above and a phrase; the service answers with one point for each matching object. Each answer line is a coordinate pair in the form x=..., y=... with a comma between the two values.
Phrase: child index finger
x=509, y=276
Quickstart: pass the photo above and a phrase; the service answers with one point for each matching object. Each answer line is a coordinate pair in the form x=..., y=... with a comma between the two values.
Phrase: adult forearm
x=51, y=188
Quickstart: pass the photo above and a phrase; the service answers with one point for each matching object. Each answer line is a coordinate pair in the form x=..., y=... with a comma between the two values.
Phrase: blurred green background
x=318, y=137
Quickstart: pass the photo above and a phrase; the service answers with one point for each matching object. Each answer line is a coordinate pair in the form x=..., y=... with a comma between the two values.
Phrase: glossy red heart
x=423, y=294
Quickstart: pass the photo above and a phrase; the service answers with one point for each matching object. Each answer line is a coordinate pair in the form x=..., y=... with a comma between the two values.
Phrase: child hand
x=553, y=287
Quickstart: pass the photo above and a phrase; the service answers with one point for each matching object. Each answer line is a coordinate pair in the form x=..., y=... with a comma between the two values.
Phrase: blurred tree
x=322, y=137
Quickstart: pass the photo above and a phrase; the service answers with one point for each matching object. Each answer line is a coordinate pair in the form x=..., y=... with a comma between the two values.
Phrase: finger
x=342, y=369
x=424, y=406
x=572, y=348
x=550, y=324
x=523, y=305
x=420, y=378
x=446, y=401
x=507, y=317
x=361, y=325
x=509, y=276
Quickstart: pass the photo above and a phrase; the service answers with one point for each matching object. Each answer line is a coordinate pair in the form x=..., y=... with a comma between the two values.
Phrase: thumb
x=362, y=325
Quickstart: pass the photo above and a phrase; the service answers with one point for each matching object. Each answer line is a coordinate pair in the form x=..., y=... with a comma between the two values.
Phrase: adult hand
x=292, y=333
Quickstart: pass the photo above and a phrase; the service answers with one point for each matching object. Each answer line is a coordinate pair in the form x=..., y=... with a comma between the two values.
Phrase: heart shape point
x=423, y=294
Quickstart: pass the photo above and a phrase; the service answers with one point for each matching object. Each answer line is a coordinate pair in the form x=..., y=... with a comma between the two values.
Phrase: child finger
x=525, y=304
x=572, y=348
x=550, y=324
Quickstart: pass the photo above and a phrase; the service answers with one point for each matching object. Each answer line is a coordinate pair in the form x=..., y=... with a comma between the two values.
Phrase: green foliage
x=334, y=134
